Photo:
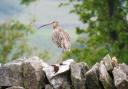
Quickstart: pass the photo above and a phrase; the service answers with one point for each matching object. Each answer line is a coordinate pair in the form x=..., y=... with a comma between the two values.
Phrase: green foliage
x=14, y=42
x=27, y=2
x=107, y=30
x=44, y=55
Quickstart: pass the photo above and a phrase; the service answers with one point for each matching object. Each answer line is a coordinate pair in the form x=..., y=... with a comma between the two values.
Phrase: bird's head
x=53, y=23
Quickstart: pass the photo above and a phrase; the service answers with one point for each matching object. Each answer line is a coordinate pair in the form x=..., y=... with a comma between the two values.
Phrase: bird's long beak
x=44, y=25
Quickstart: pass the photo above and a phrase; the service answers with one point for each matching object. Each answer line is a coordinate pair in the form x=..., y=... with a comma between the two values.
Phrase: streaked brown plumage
x=60, y=37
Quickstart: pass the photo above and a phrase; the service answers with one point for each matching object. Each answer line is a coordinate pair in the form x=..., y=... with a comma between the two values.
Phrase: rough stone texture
x=104, y=77
x=11, y=74
x=78, y=71
x=121, y=76
x=108, y=62
x=61, y=81
x=58, y=75
x=92, y=80
x=48, y=86
x=124, y=67
x=15, y=87
x=33, y=75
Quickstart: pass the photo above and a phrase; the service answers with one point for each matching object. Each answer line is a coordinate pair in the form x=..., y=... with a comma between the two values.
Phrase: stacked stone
x=34, y=73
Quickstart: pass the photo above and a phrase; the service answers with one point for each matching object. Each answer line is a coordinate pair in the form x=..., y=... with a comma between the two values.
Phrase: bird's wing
x=67, y=36
x=65, y=41
x=61, y=39
x=56, y=38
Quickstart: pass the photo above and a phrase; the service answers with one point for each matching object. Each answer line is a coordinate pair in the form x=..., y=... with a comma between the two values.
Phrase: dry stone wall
x=34, y=73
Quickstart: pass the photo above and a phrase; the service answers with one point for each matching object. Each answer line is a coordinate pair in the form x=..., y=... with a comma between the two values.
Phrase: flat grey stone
x=78, y=71
x=121, y=76
x=92, y=78
x=108, y=62
x=105, y=78
x=33, y=75
x=58, y=75
x=11, y=74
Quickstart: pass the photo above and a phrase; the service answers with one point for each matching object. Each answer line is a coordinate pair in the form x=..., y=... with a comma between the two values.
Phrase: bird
x=60, y=37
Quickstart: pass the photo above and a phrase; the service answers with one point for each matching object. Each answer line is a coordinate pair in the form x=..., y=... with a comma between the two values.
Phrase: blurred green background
x=102, y=28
